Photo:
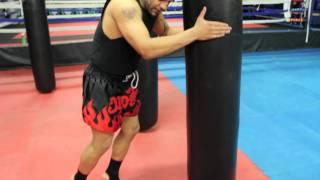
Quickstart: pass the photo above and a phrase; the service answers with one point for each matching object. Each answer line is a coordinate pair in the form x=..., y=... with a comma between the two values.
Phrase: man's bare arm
x=127, y=15
x=128, y=18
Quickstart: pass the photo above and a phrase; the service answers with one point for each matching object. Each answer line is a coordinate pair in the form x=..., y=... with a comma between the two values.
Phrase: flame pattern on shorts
x=109, y=118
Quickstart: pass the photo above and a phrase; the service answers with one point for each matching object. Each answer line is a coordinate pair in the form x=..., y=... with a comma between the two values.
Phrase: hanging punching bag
x=36, y=23
x=148, y=88
x=213, y=87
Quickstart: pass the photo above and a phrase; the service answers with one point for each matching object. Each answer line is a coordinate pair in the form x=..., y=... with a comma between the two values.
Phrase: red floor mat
x=42, y=135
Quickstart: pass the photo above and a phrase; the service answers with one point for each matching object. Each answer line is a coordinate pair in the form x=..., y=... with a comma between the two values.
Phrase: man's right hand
x=205, y=30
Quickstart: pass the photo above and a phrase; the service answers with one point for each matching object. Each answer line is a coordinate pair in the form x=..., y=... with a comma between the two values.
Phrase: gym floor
x=42, y=135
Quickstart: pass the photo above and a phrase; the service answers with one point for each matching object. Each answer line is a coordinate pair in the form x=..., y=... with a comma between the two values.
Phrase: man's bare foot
x=105, y=176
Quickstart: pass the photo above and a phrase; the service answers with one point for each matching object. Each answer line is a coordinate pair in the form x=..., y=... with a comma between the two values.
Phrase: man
x=110, y=94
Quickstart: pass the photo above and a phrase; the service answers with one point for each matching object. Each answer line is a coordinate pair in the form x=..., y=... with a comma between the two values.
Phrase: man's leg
x=98, y=146
x=129, y=128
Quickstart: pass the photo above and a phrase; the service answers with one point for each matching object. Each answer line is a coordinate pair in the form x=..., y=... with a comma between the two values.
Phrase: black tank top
x=117, y=56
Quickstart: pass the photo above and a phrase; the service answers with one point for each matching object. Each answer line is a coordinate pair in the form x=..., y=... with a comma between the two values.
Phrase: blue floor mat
x=279, y=110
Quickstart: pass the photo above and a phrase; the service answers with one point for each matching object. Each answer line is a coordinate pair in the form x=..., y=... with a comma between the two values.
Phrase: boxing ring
x=286, y=11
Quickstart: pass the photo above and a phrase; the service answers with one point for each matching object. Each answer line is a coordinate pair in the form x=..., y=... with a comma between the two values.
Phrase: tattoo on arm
x=129, y=13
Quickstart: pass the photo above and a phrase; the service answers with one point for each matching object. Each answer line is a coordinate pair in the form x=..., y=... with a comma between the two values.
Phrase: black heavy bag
x=39, y=44
x=148, y=86
x=213, y=89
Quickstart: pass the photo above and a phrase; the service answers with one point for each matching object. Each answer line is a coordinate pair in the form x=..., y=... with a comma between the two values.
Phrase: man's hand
x=205, y=30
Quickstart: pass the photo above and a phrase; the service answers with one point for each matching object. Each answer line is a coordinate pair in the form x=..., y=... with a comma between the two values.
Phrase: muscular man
x=110, y=94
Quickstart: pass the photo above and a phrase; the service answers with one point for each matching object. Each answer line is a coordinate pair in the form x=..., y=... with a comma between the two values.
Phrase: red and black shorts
x=108, y=98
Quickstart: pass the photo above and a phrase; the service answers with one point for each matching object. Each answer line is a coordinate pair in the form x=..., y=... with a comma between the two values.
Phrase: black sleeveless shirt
x=117, y=56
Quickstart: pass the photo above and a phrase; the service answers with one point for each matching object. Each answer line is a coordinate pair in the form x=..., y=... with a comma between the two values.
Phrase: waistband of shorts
x=94, y=69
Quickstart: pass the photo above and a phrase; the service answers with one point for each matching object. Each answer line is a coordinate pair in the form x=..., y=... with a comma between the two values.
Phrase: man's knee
x=131, y=129
x=100, y=145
